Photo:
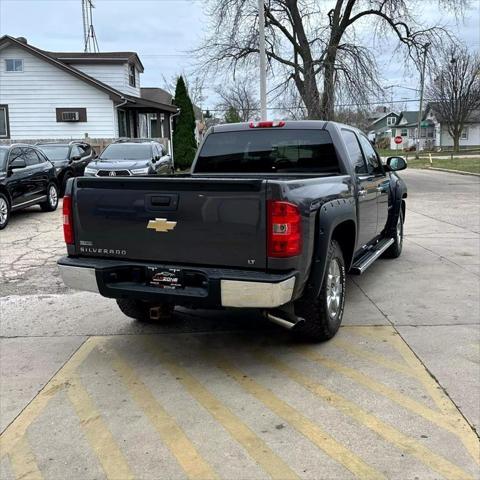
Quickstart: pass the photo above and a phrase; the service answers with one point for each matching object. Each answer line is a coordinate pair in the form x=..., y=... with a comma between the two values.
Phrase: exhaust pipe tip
x=283, y=319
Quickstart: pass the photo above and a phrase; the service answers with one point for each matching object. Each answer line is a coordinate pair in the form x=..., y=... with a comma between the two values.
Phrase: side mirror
x=17, y=163
x=75, y=158
x=395, y=164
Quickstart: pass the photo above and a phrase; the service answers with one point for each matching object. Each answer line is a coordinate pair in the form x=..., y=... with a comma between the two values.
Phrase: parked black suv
x=70, y=159
x=127, y=157
x=27, y=178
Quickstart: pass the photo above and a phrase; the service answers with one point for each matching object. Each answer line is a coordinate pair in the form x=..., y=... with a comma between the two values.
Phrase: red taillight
x=284, y=229
x=68, y=220
x=267, y=124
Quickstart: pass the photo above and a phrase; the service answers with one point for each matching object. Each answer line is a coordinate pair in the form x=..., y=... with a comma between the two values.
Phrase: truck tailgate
x=205, y=221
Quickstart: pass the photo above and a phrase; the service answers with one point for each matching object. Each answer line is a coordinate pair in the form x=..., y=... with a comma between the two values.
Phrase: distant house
x=406, y=127
x=381, y=124
x=470, y=135
x=66, y=95
x=433, y=130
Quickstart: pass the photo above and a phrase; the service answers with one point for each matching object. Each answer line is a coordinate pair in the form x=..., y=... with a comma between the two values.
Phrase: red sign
x=398, y=139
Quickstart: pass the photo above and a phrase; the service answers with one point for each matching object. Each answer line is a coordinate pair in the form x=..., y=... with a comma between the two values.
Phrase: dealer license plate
x=170, y=278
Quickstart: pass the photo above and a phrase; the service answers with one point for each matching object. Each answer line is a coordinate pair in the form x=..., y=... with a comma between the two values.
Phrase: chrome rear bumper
x=233, y=293
x=79, y=278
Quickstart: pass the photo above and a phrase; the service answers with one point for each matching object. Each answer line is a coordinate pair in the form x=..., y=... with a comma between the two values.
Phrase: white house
x=470, y=135
x=61, y=95
x=433, y=131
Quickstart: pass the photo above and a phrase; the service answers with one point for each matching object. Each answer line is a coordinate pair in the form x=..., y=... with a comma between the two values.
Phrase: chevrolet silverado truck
x=272, y=217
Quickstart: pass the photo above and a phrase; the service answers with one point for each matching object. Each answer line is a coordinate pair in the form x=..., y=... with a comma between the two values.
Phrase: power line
x=301, y=107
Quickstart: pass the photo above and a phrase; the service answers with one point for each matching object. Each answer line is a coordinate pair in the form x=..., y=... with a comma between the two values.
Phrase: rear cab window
x=354, y=152
x=268, y=151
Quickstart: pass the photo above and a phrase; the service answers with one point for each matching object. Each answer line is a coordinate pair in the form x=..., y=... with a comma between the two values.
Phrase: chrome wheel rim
x=334, y=288
x=52, y=196
x=3, y=211
x=399, y=230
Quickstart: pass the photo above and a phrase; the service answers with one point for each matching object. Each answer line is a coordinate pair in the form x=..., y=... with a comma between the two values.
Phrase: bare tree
x=195, y=84
x=454, y=90
x=238, y=97
x=318, y=50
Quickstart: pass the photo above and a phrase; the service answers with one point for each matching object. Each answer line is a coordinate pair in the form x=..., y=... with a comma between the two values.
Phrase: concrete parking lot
x=87, y=393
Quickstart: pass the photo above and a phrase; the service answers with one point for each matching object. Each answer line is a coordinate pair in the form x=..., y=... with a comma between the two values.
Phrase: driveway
x=87, y=393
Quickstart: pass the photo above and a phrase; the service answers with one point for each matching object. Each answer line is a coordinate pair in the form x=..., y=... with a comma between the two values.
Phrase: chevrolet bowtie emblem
x=161, y=225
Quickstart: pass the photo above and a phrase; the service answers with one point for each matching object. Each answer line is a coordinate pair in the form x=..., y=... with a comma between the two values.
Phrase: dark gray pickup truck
x=272, y=217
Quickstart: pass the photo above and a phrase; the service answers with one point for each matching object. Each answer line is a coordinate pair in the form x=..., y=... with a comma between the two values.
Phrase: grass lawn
x=443, y=153
x=464, y=164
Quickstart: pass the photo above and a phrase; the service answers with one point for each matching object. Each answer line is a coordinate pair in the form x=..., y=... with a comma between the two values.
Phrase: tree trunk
x=456, y=143
x=328, y=95
x=312, y=97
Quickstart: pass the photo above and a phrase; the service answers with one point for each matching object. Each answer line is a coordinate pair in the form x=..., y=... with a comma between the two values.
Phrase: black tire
x=320, y=323
x=4, y=211
x=51, y=203
x=395, y=250
x=66, y=178
x=140, y=311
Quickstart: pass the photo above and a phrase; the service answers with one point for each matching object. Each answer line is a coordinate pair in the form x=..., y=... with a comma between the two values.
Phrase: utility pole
x=422, y=86
x=90, y=43
x=263, y=60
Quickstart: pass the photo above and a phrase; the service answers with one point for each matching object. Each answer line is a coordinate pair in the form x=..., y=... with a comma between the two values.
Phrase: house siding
x=33, y=95
x=472, y=140
x=114, y=75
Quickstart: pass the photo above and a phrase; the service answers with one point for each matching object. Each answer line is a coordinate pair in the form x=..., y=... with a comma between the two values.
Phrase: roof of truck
x=287, y=124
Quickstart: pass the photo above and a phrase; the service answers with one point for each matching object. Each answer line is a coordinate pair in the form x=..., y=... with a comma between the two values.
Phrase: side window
x=30, y=157
x=354, y=151
x=41, y=157
x=14, y=154
x=75, y=152
x=373, y=162
x=85, y=149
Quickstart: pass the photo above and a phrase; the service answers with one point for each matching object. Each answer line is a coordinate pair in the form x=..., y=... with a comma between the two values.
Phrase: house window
x=391, y=121
x=404, y=132
x=71, y=114
x=4, y=127
x=13, y=65
x=131, y=75
x=464, y=134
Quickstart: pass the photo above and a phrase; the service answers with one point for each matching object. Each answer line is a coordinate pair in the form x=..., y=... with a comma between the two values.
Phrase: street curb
x=460, y=172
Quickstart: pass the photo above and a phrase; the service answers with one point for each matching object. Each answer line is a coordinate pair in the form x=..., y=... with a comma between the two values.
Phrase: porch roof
x=138, y=103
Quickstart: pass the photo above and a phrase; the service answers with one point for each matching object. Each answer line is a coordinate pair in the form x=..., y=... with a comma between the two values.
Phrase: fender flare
x=395, y=198
x=330, y=215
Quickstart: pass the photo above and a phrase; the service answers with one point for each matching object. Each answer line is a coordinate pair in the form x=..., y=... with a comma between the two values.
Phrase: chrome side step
x=369, y=257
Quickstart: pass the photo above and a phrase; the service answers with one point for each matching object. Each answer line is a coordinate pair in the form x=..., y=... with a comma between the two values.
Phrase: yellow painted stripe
x=446, y=406
x=97, y=433
x=309, y=429
x=373, y=357
x=405, y=401
x=172, y=435
x=387, y=432
x=23, y=461
x=256, y=447
x=17, y=429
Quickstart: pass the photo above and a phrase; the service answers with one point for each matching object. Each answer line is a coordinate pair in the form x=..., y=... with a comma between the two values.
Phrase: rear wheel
x=395, y=250
x=51, y=203
x=141, y=310
x=323, y=313
x=4, y=211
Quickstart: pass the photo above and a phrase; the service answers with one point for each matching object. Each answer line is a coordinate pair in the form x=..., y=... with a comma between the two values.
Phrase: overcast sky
x=163, y=31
